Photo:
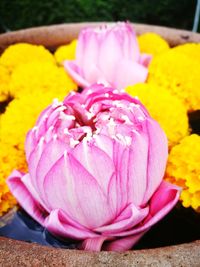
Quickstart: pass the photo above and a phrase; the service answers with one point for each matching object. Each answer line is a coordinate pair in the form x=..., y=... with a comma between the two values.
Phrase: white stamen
x=73, y=142
x=89, y=92
x=65, y=154
x=41, y=141
x=45, y=117
x=105, y=117
x=97, y=131
x=118, y=104
x=134, y=131
x=89, y=115
x=106, y=95
x=134, y=105
x=66, y=131
x=56, y=103
x=61, y=108
x=64, y=116
x=128, y=140
x=120, y=136
x=124, y=139
x=72, y=93
x=126, y=119
x=55, y=136
x=140, y=118
x=111, y=122
x=35, y=129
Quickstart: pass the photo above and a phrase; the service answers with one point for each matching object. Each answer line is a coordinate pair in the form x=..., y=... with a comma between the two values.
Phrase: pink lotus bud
x=96, y=164
x=108, y=55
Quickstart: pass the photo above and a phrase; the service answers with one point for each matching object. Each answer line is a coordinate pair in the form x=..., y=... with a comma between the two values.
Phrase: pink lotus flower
x=96, y=163
x=108, y=55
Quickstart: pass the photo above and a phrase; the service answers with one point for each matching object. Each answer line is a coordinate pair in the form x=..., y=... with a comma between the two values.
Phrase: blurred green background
x=16, y=14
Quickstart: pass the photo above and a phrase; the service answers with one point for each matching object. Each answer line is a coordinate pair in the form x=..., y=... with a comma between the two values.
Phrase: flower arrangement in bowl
x=99, y=140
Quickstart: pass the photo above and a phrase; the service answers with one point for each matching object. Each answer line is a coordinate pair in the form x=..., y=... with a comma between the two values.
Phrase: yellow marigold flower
x=20, y=53
x=152, y=43
x=66, y=52
x=4, y=83
x=11, y=157
x=178, y=73
x=167, y=109
x=183, y=169
x=190, y=49
x=7, y=201
x=42, y=77
x=21, y=115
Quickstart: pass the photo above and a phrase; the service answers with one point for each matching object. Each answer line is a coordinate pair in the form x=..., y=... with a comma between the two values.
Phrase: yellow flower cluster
x=6, y=199
x=167, y=109
x=183, y=169
x=18, y=54
x=190, y=49
x=40, y=77
x=152, y=43
x=178, y=73
x=4, y=83
x=66, y=52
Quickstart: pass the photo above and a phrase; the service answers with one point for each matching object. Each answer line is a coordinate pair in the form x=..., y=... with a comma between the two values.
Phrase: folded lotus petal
x=109, y=54
x=129, y=218
x=59, y=189
x=26, y=180
x=75, y=72
x=96, y=162
x=86, y=186
x=163, y=196
x=138, y=161
x=94, y=75
x=34, y=135
x=80, y=48
x=34, y=159
x=41, y=125
x=52, y=152
x=90, y=49
x=105, y=143
x=59, y=224
x=43, y=115
x=24, y=197
x=54, y=116
x=113, y=197
x=145, y=59
x=128, y=73
x=93, y=244
x=68, y=185
x=123, y=244
x=121, y=156
x=169, y=199
x=157, y=157
x=132, y=46
x=30, y=143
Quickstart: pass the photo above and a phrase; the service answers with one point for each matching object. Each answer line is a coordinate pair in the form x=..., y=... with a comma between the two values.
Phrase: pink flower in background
x=96, y=164
x=108, y=55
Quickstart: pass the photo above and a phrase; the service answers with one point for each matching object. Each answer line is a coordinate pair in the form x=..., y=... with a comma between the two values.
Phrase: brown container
x=18, y=253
